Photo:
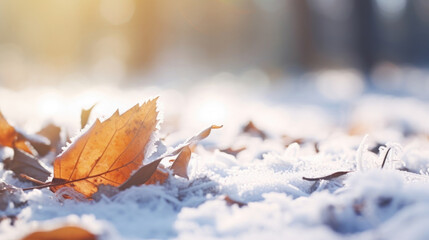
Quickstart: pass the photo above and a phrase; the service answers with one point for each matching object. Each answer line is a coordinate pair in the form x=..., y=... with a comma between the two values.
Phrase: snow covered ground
x=368, y=203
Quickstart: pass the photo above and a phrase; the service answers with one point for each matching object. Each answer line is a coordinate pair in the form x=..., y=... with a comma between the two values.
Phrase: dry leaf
x=180, y=165
x=203, y=134
x=7, y=133
x=144, y=174
x=23, y=163
x=52, y=133
x=160, y=176
x=229, y=201
x=233, y=152
x=251, y=129
x=63, y=233
x=108, y=152
x=9, y=137
x=84, y=116
x=289, y=140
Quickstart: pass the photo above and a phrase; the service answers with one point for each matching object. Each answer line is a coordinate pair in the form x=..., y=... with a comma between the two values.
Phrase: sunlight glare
x=49, y=103
x=212, y=111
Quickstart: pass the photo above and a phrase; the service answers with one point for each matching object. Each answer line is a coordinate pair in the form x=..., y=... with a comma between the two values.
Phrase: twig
x=385, y=157
x=33, y=180
x=329, y=177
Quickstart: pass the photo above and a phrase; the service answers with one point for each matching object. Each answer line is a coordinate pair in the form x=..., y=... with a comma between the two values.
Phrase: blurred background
x=352, y=45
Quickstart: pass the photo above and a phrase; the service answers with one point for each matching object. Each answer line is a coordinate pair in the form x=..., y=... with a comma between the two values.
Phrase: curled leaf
x=203, y=134
x=180, y=165
x=108, y=152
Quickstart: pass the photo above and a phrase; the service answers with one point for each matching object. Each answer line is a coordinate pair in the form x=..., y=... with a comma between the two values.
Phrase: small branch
x=329, y=177
x=385, y=157
x=33, y=180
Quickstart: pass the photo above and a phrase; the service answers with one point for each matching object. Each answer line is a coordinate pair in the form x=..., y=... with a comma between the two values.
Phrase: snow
x=368, y=203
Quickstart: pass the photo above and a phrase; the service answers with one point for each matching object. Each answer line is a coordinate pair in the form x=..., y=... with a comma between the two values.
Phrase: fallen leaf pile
x=109, y=153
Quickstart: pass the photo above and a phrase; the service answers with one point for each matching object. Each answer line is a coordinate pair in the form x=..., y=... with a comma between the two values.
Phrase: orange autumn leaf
x=108, y=152
x=64, y=233
x=9, y=137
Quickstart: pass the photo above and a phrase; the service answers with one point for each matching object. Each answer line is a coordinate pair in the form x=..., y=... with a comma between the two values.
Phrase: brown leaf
x=9, y=137
x=84, y=116
x=108, y=152
x=141, y=176
x=251, y=129
x=180, y=165
x=229, y=201
x=203, y=134
x=233, y=152
x=63, y=233
x=52, y=133
x=144, y=174
x=160, y=176
x=23, y=163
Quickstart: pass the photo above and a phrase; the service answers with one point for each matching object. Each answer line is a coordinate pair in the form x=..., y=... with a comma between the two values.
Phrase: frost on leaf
x=108, y=152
